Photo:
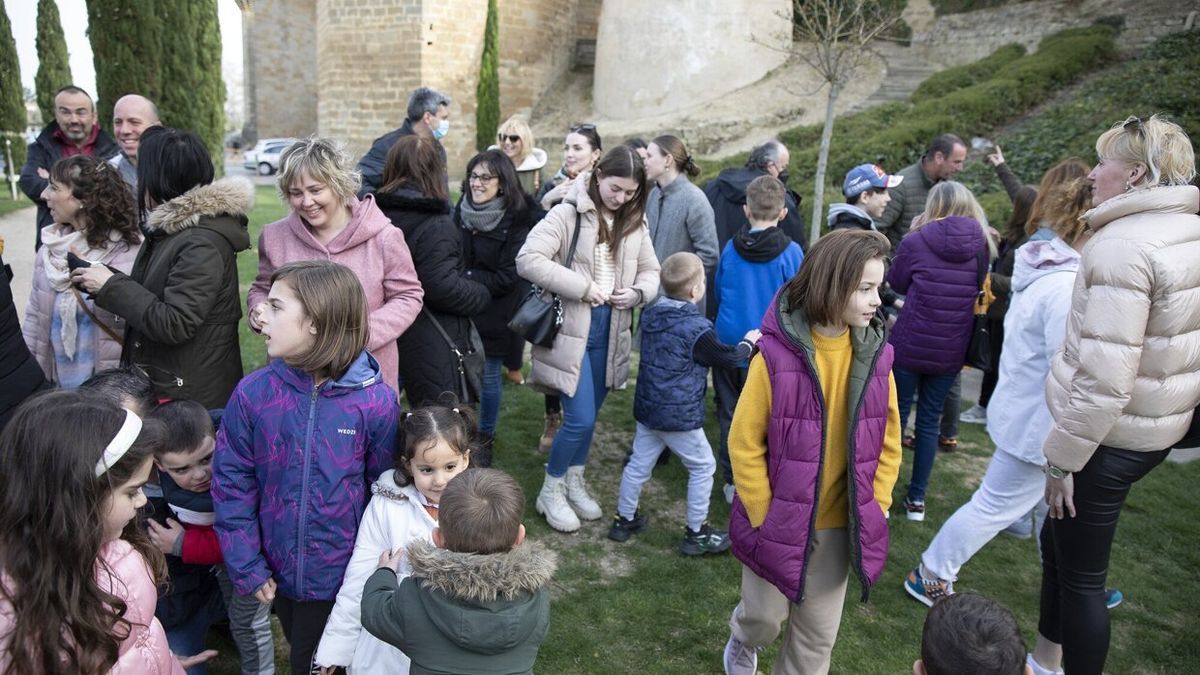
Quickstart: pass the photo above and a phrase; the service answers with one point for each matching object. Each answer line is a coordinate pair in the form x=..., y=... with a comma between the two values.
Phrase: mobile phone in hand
x=74, y=262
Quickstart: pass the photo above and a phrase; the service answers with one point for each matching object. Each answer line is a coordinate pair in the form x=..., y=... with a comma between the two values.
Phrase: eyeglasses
x=481, y=178
x=511, y=138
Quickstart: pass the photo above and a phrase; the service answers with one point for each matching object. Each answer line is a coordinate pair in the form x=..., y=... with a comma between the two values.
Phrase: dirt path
x=17, y=230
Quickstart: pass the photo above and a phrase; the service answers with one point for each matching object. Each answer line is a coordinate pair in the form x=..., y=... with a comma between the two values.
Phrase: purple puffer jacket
x=291, y=474
x=936, y=268
x=778, y=550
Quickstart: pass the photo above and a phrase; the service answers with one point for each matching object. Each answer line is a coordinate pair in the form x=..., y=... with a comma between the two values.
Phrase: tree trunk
x=822, y=160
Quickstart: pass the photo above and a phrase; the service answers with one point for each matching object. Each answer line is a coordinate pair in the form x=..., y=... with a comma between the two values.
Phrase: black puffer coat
x=427, y=366
x=20, y=374
x=491, y=259
x=181, y=301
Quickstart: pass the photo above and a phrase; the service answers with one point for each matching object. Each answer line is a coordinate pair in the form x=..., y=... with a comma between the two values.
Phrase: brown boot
x=553, y=422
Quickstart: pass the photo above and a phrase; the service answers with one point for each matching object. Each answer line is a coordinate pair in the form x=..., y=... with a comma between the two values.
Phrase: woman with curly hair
x=94, y=218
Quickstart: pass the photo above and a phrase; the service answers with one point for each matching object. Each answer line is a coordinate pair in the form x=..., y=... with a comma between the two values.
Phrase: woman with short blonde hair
x=328, y=222
x=515, y=139
x=1124, y=387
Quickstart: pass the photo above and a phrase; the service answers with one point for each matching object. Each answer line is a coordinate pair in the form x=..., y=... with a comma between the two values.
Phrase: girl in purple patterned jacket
x=299, y=445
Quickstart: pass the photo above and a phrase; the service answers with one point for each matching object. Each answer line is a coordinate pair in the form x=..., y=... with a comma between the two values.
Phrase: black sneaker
x=623, y=527
x=702, y=541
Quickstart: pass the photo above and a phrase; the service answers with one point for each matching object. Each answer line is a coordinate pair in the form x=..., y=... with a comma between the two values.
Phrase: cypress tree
x=210, y=89
x=12, y=106
x=193, y=92
x=54, y=70
x=127, y=41
x=487, y=92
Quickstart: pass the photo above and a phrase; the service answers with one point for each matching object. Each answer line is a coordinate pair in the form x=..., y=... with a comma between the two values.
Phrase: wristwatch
x=1056, y=473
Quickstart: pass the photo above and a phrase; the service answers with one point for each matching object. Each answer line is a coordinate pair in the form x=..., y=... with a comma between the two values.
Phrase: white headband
x=120, y=443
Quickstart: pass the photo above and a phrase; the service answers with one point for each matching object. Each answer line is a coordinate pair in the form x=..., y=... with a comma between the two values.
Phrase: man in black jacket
x=727, y=193
x=73, y=132
x=428, y=116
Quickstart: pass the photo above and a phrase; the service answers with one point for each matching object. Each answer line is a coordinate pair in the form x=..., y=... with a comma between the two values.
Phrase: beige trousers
x=812, y=625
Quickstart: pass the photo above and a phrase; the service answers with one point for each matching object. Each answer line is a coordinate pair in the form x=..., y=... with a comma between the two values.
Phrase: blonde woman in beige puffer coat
x=1123, y=387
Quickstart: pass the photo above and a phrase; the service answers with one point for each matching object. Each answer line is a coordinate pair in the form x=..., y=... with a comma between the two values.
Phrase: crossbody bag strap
x=574, y=240
x=442, y=331
x=107, y=331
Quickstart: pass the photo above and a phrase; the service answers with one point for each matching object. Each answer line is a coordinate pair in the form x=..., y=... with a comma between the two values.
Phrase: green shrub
x=1160, y=80
x=943, y=7
x=487, y=91
x=12, y=107
x=53, y=71
x=950, y=79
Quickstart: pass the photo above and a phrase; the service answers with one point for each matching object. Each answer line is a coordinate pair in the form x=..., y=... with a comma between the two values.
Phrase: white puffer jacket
x=1128, y=375
x=394, y=517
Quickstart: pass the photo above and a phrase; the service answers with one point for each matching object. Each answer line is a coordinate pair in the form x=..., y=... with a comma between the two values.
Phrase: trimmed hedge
x=895, y=135
x=946, y=81
x=1160, y=80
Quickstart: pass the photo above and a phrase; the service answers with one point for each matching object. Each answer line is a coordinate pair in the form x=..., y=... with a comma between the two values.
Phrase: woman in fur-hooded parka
x=181, y=302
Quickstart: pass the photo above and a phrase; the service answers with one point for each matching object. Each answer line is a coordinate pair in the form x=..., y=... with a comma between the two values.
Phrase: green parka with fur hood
x=181, y=301
x=463, y=612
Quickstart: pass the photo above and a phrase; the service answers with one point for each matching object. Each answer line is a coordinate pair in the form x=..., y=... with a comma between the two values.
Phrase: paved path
x=18, y=229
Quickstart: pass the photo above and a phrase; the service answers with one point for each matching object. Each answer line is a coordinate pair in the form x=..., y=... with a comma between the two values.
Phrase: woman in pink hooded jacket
x=328, y=222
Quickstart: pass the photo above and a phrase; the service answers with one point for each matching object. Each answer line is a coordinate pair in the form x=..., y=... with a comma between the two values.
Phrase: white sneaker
x=552, y=503
x=1038, y=669
x=577, y=495
x=977, y=414
x=729, y=491
x=740, y=659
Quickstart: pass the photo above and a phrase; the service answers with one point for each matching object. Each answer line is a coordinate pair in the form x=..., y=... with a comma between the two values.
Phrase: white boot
x=552, y=503
x=578, y=497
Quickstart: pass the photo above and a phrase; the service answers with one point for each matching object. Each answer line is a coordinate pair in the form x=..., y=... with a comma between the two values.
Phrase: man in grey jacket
x=943, y=159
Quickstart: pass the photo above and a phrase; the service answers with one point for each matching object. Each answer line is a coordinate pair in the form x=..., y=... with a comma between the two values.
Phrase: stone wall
x=653, y=57
x=962, y=38
x=281, y=67
x=538, y=39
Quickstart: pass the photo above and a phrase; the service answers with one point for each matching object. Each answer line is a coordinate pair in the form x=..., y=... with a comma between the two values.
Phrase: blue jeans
x=574, y=438
x=489, y=399
x=931, y=392
x=187, y=638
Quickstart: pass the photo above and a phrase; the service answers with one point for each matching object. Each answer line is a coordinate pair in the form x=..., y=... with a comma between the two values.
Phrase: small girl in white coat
x=403, y=508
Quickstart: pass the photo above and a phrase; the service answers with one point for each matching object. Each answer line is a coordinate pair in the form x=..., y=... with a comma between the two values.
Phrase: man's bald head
x=131, y=115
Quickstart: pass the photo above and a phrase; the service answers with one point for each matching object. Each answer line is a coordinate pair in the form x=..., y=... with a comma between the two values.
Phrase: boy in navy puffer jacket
x=678, y=347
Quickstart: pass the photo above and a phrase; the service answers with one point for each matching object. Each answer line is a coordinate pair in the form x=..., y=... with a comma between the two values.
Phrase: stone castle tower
x=344, y=68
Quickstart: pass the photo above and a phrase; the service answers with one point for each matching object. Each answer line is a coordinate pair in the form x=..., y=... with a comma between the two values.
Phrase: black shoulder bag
x=979, y=350
x=540, y=313
x=469, y=363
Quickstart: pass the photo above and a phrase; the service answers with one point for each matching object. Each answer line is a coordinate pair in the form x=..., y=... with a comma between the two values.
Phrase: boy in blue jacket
x=678, y=346
x=756, y=262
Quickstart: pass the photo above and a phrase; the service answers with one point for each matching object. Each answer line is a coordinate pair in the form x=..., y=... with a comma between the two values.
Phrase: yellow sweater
x=748, y=437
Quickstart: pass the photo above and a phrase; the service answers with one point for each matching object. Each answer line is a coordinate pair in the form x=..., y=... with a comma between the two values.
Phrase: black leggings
x=302, y=623
x=1075, y=553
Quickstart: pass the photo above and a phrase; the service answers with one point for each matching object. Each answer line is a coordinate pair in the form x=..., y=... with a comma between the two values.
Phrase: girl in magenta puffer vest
x=299, y=446
x=815, y=448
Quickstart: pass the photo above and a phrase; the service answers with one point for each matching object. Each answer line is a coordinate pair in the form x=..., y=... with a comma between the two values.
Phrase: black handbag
x=979, y=349
x=469, y=364
x=540, y=313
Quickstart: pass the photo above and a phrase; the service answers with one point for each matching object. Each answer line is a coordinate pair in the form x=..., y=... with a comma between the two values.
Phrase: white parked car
x=264, y=156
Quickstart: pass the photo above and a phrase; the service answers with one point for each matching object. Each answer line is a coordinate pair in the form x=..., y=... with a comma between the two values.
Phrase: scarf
x=57, y=240
x=481, y=217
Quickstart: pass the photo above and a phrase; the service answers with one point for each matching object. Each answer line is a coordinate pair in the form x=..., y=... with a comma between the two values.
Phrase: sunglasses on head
x=1134, y=126
x=581, y=127
x=512, y=138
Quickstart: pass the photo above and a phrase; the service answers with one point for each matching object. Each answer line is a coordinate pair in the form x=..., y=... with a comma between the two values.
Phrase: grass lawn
x=8, y=204
x=640, y=607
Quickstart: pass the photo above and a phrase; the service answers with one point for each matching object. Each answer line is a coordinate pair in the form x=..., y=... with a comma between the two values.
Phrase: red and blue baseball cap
x=867, y=176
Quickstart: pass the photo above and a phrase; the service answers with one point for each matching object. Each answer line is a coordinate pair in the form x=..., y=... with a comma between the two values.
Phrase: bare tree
x=831, y=36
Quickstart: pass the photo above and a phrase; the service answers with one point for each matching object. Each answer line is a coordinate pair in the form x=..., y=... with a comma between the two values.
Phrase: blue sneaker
x=1113, y=597
x=927, y=591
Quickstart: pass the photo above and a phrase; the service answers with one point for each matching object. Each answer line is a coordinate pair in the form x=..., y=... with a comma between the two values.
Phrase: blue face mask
x=441, y=130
